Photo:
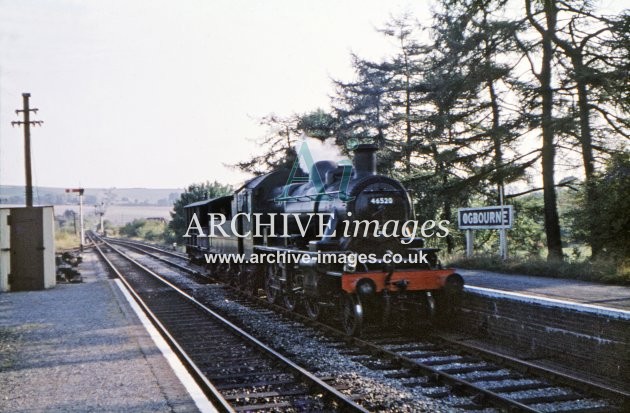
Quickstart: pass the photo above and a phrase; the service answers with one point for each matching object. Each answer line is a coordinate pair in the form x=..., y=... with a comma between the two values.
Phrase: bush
x=132, y=229
x=195, y=192
x=605, y=224
x=144, y=229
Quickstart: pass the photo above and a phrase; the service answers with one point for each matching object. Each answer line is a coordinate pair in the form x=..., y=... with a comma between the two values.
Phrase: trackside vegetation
x=529, y=99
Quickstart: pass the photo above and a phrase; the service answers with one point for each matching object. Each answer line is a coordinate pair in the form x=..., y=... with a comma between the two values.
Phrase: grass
x=143, y=229
x=602, y=271
x=66, y=240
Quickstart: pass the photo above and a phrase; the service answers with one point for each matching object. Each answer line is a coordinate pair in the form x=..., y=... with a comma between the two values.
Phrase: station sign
x=492, y=217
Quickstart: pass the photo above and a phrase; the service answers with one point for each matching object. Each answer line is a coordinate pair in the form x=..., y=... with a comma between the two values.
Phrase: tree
x=607, y=221
x=361, y=107
x=579, y=94
x=279, y=144
x=455, y=115
x=496, y=128
x=282, y=137
x=195, y=192
x=425, y=106
x=469, y=134
x=594, y=68
x=317, y=124
x=407, y=85
x=381, y=105
x=542, y=94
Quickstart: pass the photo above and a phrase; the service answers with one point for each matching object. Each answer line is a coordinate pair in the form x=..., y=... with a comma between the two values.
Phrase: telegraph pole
x=27, y=122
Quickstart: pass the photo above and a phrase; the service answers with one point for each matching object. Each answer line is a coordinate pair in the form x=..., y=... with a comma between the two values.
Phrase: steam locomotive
x=363, y=278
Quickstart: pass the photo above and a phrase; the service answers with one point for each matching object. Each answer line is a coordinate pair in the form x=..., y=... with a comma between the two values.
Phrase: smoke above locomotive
x=337, y=205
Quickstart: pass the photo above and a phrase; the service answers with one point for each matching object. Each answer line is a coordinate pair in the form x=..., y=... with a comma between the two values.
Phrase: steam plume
x=320, y=151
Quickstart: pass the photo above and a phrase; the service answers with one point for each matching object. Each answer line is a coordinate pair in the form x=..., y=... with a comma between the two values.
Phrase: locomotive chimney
x=365, y=159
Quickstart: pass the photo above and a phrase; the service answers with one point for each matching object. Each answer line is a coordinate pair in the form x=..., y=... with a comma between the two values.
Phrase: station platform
x=81, y=348
x=577, y=293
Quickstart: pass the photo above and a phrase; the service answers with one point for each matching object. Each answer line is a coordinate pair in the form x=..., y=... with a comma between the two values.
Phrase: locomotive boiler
x=340, y=238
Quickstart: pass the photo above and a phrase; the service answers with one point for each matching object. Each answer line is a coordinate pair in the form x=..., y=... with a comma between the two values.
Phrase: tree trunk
x=575, y=54
x=586, y=141
x=497, y=132
x=552, y=221
x=408, y=128
x=446, y=215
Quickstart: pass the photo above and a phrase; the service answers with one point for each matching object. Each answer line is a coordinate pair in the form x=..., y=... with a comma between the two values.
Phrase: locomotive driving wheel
x=424, y=315
x=289, y=297
x=352, y=314
x=417, y=316
x=312, y=307
x=222, y=271
x=449, y=298
x=211, y=269
x=272, y=282
x=246, y=281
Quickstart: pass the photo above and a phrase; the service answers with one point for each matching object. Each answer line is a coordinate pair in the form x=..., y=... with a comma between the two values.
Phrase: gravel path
x=78, y=348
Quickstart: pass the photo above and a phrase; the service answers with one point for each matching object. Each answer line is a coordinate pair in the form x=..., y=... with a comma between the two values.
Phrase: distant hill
x=14, y=194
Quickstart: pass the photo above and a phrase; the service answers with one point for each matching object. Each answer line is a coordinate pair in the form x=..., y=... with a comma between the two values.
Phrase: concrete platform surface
x=581, y=292
x=80, y=348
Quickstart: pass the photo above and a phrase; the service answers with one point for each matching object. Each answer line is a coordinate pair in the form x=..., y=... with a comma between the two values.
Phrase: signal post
x=80, y=192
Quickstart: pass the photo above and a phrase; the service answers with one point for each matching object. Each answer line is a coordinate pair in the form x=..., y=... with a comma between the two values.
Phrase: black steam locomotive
x=273, y=225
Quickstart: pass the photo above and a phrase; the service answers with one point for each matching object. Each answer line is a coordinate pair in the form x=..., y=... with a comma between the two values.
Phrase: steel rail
x=501, y=359
x=144, y=245
x=554, y=375
x=141, y=247
x=493, y=398
x=446, y=378
x=206, y=386
x=345, y=401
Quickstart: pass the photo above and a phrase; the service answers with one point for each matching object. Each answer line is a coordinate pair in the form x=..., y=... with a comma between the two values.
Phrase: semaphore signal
x=80, y=192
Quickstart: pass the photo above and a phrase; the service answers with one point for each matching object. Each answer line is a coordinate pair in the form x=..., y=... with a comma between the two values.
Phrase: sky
x=161, y=94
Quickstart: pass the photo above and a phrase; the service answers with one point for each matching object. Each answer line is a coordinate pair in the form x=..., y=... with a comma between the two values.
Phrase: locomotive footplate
x=400, y=280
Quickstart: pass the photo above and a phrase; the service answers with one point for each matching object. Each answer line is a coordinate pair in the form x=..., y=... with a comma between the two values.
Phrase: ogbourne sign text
x=493, y=217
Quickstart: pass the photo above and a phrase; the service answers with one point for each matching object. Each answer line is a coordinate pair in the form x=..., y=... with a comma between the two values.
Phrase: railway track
x=235, y=370
x=442, y=366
